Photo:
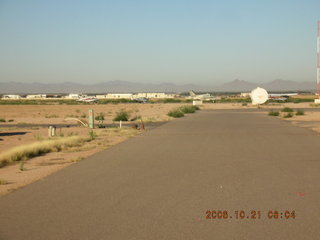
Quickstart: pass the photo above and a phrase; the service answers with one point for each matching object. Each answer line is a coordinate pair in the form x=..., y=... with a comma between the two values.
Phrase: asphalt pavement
x=254, y=176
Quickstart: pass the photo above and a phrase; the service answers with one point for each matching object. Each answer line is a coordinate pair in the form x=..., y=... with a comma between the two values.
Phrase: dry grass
x=3, y=182
x=35, y=149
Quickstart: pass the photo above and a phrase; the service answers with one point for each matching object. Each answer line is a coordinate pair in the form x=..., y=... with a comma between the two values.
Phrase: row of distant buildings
x=99, y=96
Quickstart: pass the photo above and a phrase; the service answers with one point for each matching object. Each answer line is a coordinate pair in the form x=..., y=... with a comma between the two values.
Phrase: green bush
x=122, y=116
x=287, y=109
x=176, y=113
x=188, y=109
x=300, y=112
x=288, y=115
x=273, y=113
x=2, y=120
x=100, y=117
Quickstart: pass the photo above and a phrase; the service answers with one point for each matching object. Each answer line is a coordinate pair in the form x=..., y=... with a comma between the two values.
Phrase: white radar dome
x=259, y=96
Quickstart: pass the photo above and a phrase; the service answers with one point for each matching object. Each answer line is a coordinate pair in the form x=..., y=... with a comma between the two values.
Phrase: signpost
x=91, y=118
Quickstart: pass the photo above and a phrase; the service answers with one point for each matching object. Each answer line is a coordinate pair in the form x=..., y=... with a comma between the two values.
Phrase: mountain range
x=125, y=86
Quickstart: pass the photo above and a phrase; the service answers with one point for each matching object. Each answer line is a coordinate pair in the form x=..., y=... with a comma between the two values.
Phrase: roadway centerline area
x=219, y=174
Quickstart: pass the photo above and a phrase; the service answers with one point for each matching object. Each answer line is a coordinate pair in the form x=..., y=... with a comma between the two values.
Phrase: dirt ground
x=55, y=114
x=38, y=167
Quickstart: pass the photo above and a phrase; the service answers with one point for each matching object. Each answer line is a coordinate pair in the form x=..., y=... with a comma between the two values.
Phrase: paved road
x=159, y=185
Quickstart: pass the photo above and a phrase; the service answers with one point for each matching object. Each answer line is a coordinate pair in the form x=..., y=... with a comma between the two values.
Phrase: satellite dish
x=259, y=96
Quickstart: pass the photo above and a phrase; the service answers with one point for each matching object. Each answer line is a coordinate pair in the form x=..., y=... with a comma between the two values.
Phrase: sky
x=172, y=41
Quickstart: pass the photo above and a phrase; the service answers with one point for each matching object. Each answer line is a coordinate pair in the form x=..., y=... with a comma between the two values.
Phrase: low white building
x=11, y=96
x=133, y=96
x=73, y=96
x=36, y=96
x=119, y=96
x=101, y=96
x=245, y=94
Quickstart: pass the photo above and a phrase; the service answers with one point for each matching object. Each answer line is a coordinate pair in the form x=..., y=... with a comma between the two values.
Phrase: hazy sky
x=179, y=41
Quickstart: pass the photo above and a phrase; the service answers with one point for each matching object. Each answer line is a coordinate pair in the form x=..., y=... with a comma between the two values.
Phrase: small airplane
x=205, y=97
x=281, y=96
x=87, y=99
x=141, y=100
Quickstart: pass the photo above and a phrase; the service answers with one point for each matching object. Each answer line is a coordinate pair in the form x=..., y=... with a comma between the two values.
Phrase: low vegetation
x=287, y=109
x=300, y=112
x=100, y=117
x=122, y=116
x=21, y=166
x=3, y=182
x=92, y=135
x=288, y=115
x=189, y=109
x=177, y=113
x=273, y=113
x=51, y=116
x=2, y=120
x=25, y=152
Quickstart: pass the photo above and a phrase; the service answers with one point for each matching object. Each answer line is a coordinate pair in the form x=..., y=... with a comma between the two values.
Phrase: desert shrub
x=288, y=115
x=51, y=116
x=83, y=115
x=92, y=135
x=21, y=165
x=101, y=126
x=2, y=120
x=189, y=109
x=100, y=117
x=11, y=120
x=300, y=112
x=287, y=109
x=72, y=116
x=273, y=113
x=244, y=104
x=177, y=113
x=122, y=116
